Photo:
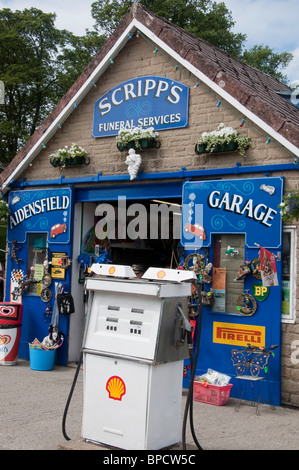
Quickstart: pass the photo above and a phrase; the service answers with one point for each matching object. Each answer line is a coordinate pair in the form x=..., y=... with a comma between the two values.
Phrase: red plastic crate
x=212, y=394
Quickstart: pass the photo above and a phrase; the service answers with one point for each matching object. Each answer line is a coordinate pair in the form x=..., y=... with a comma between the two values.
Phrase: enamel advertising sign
x=149, y=101
x=248, y=206
x=238, y=334
x=40, y=211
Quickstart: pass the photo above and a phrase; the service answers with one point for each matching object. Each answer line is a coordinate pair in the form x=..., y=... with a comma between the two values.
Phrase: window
x=288, y=305
x=37, y=250
x=228, y=255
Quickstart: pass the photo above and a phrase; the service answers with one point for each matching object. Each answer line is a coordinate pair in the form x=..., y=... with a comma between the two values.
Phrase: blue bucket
x=41, y=359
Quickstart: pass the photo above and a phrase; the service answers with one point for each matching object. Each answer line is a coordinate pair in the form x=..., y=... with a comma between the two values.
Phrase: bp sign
x=260, y=292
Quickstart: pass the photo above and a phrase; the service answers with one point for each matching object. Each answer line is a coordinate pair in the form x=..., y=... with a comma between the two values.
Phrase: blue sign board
x=149, y=101
x=248, y=206
x=40, y=211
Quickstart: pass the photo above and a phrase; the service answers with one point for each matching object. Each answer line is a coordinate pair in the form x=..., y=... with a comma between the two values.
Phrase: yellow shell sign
x=115, y=387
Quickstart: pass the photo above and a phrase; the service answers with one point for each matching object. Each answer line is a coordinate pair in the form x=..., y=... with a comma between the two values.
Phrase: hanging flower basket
x=137, y=139
x=289, y=207
x=223, y=139
x=69, y=156
x=202, y=148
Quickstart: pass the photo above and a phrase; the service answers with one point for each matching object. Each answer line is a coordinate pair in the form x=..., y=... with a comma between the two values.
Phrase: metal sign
x=149, y=101
x=260, y=292
x=248, y=206
x=40, y=211
x=238, y=334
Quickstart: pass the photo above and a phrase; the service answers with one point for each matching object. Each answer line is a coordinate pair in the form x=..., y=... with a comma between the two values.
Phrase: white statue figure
x=133, y=161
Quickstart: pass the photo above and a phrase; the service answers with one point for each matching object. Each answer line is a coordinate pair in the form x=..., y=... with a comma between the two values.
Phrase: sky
x=269, y=22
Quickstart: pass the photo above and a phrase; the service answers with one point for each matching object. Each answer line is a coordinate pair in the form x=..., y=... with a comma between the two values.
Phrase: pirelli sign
x=238, y=335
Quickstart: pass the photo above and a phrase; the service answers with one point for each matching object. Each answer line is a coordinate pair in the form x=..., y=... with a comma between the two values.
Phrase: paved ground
x=32, y=405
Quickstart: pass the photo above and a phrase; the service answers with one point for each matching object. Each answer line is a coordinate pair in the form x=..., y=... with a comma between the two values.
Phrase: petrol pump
x=134, y=346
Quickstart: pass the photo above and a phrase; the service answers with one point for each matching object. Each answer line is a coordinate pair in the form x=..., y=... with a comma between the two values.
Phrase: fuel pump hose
x=70, y=397
x=189, y=400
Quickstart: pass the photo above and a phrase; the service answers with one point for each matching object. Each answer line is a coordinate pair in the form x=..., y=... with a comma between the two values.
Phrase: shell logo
x=112, y=270
x=4, y=339
x=161, y=274
x=116, y=388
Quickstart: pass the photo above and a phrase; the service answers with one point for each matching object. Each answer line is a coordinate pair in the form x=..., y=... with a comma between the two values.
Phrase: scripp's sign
x=248, y=206
x=149, y=101
x=40, y=211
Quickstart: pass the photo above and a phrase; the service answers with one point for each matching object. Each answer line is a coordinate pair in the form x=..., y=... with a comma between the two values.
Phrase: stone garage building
x=151, y=73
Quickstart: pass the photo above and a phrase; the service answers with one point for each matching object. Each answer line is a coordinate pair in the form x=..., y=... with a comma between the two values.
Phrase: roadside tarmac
x=33, y=403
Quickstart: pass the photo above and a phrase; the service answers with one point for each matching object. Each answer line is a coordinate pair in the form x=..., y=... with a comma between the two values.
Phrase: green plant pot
x=201, y=148
x=79, y=160
x=142, y=144
x=55, y=162
x=127, y=146
x=147, y=143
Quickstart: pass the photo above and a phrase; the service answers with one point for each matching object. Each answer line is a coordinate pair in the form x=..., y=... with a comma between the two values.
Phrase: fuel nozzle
x=186, y=327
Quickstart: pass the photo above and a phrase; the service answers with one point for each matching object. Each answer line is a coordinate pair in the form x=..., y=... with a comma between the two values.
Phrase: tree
x=28, y=45
x=76, y=56
x=38, y=64
x=204, y=18
x=265, y=59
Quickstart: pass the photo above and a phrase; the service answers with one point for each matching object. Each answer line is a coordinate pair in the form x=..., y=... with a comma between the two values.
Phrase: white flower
x=223, y=135
x=127, y=135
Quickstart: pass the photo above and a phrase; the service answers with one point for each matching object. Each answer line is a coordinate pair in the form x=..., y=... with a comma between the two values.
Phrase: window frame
x=291, y=318
x=34, y=289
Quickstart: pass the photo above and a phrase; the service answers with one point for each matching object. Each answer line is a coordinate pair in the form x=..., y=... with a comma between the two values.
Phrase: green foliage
x=224, y=135
x=3, y=229
x=135, y=135
x=289, y=207
x=4, y=211
x=66, y=153
x=38, y=64
x=76, y=56
x=265, y=59
x=29, y=43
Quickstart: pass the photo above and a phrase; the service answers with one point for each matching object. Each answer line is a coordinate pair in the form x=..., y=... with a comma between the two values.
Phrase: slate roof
x=254, y=89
